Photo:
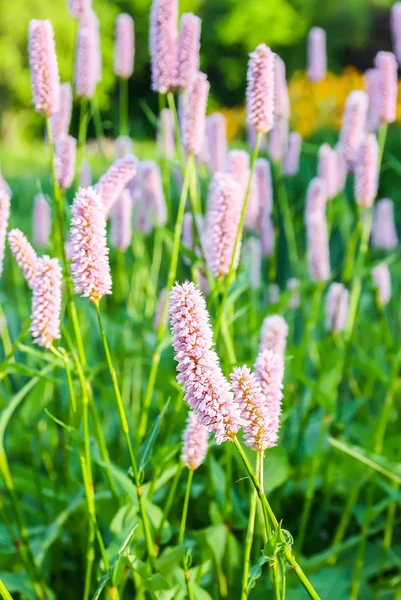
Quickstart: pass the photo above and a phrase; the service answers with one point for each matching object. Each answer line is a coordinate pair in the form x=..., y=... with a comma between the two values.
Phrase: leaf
x=276, y=468
x=273, y=544
x=378, y=463
x=146, y=449
x=60, y=422
x=255, y=572
x=18, y=583
x=170, y=558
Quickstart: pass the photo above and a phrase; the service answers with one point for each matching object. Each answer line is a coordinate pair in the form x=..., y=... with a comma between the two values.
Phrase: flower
x=366, y=171
x=44, y=69
x=194, y=447
x=90, y=262
x=112, y=183
x=4, y=187
x=123, y=146
x=238, y=165
x=395, y=22
x=274, y=334
x=121, y=222
x=269, y=372
x=260, y=89
x=222, y=221
x=86, y=60
x=317, y=56
x=386, y=64
x=318, y=247
x=216, y=139
x=85, y=178
x=282, y=100
x=79, y=8
x=327, y=169
x=24, y=254
x=293, y=285
x=193, y=126
x=372, y=88
x=278, y=140
x=259, y=431
x=382, y=281
x=316, y=197
x=152, y=192
x=384, y=232
x=206, y=389
x=46, y=302
x=64, y=160
x=4, y=216
x=165, y=135
x=41, y=221
x=292, y=154
x=124, y=48
x=60, y=121
x=353, y=125
x=337, y=301
x=163, y=44
x=188, y=50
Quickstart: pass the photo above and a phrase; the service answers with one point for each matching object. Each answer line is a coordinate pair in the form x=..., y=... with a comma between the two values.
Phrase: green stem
x=170, y=280
x=5, y=594
x=274, y=524
x=231, y=274
x=248, y=544
x=169, y=501
x=172, y=107
x=185, y=507
x=288, y=221
x=125, y=428
x=123, y=106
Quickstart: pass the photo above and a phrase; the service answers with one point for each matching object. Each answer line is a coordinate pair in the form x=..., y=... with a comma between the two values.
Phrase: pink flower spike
x=41, y=221
x=274, y=334
x=216, y=136
x=294, y=285
x=64, y=160
x=260, y=431
x=267, y=235
x=85, y=178
x=278, y=140
x=152, y=192
x=386, y=64
x=382, y=282
x=337, y=302
x=112, y=183
x=79, y=8
x=46, y=302
x=282, y=100
x=24, y=254
x=372, y=88
x=121, y=222
x=194, y=121
x=317, y=54
x=318, y=247
x=316, y=198
x=44, y=68
x=292, y=154
x=264, y=187
x=222, y=220
x=194, y=447
x=341, y=169
x=124, y=49
x=4, y=217
x=163, y=44
x=353, y=125
x=366, y=171
x=252, y=261
x=188, y=50
x=206, y=389
x=384, y=232
x=87, y=73
x=90, y=261
x=260, y=89
x=395, y=22
x=165, y=135
x=269, y=372
x=327, y=169
x=60, y=121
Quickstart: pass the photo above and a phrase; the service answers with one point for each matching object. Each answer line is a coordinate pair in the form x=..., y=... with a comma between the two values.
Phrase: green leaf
x=255, y=572
x=276, y=468
x=273, y=544
x=373, y=461
x=170, y=558
x=146, y=449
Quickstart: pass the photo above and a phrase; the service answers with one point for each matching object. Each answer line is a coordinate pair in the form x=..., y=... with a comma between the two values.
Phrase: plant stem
x=274, y=523
x=249, y=539
x=125, y=428
x=185, y=507
x=123, y=106
x=169, y=501
x=172, y=107
x=288, y=221
x=5, y=594
x=170, y=280
x=231, y=274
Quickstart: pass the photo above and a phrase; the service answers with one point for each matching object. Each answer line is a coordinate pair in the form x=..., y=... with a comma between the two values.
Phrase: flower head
x=152, y=192
x=337, y=301
x=318, y=247
x=382, y=281
x=122, y=146
x=292, y=154
x=260, y=431
x=44, y=69
x=24, y=254
x=282, y=100
x=60, y=121
x=395, y=22
x=41, y=221
x=46, y=302
x=64, y=160
x=163, y=44
x=316, y=197
x=269, y=372
x=353, y=125
x=278, y=140
x=372, y=88
x=112, y=183
x=193, y=126
x=386, y=65
x=4, y=216
x=165, y=134
x=216, y=138
x=4, y=187
x=384, y=232
x=121, y=222
x=294, y=285
x=206, y=389
x=124, y=46
x=327, y=169
x=90, y=262
x=274, y=334
x=86, y=60
x=79, y=8
x=188, y=50
x=317, y=56
x=366, y=171
x=222, y=220
x=194, y=447
x=260, y=89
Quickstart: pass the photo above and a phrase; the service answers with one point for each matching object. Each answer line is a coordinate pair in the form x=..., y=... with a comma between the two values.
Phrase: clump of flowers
x=24, y=254
x=194, y=447
x=46, y=302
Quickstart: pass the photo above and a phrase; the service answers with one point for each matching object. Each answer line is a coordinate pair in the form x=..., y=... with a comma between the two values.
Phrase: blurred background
x=356, y=30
